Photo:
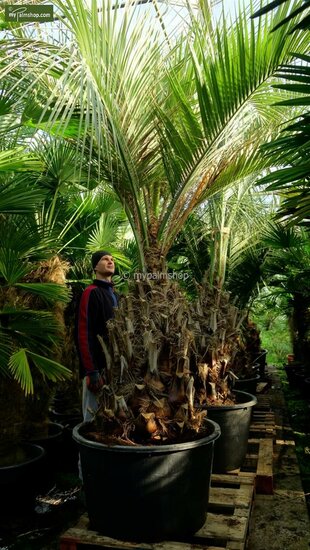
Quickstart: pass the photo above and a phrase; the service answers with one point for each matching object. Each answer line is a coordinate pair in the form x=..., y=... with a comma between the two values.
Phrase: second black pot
x=234, y=420
x=21, y=482
x=248, y=385
x=52, y=443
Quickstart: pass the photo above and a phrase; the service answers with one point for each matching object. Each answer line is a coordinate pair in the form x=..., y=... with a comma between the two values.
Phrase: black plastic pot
x=20, y=482
x=294, y=371
x=234, y=421
x=248, y=385
x=53, y=446
x=69, y=454
x=147, y=493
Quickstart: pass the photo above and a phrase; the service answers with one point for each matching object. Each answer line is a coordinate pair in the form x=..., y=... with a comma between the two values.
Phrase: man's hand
x=94, y=381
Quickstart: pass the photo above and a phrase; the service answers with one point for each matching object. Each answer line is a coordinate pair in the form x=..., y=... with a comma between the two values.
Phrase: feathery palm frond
x=291, y=150
x=165, y=121
x=301, y=8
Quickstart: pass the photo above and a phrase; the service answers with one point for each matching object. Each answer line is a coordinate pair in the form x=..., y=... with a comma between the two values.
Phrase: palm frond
x=17, y=159
x=49, y=292
x=228, y=93
x=50, y=369
x=304, y=23
x=20, y=367
x=26, y=325
x=18, y=196
x=21, y=241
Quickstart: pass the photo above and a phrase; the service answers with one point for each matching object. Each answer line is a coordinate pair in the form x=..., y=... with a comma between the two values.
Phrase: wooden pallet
x=262, y=424
x=259, y=460
x=229, y=510
x=263, y=402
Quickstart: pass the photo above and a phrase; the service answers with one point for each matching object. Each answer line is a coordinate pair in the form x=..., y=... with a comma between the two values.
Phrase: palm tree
x=278, y=263
x=169, y=121
x=291, y=149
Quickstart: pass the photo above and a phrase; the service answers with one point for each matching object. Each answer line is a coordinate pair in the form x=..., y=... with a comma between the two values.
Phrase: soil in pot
x=234, y=420
x=147, y=493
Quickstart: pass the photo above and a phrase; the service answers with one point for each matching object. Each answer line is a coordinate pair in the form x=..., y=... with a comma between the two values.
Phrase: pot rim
x=40, y=453
x=251, y=402
x=149, y=449
x=255, y=377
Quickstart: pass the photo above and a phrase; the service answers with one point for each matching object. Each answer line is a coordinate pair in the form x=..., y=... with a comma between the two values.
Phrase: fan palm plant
x=278, y=263
x=29, y=333
x=169, y=121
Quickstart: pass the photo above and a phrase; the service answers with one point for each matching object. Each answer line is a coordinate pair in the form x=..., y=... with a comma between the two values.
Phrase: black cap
x=96, y=257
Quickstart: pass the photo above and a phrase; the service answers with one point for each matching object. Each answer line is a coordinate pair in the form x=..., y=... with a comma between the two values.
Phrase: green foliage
x=292, y=148
x=297, y=9
x=21, y=332
x=49, y=292
x=166, y=122
x=275, y=338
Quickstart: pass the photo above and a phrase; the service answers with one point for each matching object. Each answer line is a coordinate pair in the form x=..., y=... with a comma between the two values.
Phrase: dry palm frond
x=218, y=341
x=53, y=270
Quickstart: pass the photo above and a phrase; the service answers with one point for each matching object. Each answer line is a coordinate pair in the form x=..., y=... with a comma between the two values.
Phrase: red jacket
x=96, y=307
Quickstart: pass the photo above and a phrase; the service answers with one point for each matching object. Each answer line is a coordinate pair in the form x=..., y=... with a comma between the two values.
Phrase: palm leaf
x=20, y=367
x=26, y=327
x=21, y=241
x=19, y=197
x=49, y=292
x=16, y=160
x=50, y=369
x=303, y=24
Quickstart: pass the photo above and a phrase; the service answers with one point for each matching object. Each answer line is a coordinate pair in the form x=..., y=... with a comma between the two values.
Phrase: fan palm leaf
x=20, y=367
x=21, y=332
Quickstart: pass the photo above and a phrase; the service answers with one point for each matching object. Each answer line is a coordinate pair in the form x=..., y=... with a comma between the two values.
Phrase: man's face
x=105, y=267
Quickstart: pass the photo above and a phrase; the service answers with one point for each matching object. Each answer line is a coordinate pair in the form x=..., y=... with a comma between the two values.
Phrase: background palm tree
x=278, y=263
x=291, y=149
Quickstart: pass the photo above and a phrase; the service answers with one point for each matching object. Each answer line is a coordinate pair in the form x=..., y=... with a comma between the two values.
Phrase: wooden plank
x=220, y=526
x=264, y=475
x=77, y=536
x=233, y=479
x=229, y=498
x=262, y=386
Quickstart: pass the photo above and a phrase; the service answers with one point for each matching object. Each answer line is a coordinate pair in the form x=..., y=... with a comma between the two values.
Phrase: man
x=96, y=307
